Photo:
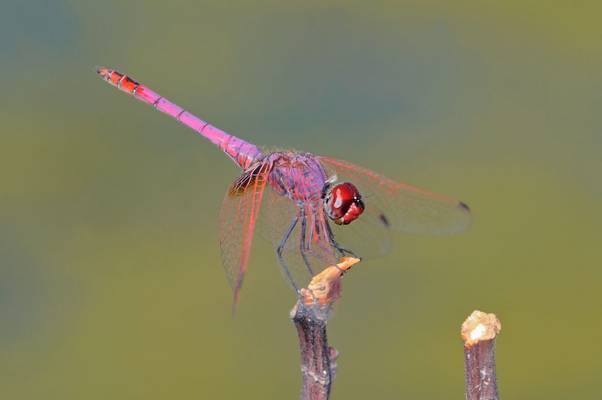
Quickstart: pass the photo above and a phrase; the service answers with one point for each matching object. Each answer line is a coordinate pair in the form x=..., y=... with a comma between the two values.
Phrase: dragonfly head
x=343, y=203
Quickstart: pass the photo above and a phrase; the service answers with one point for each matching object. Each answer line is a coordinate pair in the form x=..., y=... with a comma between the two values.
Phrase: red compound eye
x=343, y=203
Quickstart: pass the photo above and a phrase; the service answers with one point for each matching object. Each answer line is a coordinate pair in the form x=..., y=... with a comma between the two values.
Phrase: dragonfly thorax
x=298, y=176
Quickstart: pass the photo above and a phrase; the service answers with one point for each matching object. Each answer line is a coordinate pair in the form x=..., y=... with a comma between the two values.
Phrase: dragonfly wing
x=238, y=219
x=399, y=206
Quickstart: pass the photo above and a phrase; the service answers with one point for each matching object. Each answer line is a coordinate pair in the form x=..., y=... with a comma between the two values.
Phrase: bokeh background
x=110, y=277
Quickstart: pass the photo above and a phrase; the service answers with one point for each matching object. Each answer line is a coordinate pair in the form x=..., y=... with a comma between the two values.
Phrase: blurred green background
x=111, y=284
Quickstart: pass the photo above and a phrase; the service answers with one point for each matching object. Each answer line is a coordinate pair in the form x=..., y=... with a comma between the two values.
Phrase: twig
x=479, y=332
x=310, y=315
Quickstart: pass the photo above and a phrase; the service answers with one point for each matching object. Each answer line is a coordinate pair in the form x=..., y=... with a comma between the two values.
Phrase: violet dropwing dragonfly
x=318, y=209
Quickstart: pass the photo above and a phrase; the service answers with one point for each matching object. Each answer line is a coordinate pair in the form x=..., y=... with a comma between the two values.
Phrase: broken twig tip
x=480, y=326
x=325, y=287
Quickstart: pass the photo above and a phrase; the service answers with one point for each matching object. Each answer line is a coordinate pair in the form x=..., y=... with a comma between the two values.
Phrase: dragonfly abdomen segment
x=240, y=151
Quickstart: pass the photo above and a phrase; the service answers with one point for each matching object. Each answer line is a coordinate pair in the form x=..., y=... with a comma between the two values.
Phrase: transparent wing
x=238, y=218
x=397, y=206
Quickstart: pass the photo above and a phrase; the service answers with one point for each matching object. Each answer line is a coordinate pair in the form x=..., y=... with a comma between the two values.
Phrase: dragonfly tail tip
x=102, y=71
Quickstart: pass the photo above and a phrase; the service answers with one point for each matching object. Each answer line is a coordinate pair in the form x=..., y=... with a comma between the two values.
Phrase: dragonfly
x=317, y=209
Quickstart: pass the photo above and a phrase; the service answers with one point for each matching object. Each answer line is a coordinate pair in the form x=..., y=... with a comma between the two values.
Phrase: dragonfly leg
x=302, y=243
x=280, y=250
x=341, y=250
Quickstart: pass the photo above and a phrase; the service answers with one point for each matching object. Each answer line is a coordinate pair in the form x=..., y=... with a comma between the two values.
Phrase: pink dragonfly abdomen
x=241, y=152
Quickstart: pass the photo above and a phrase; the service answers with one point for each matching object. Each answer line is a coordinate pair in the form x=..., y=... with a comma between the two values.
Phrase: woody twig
x=310, y=315
x=478, y=332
